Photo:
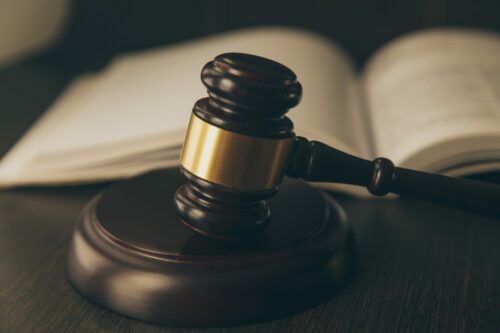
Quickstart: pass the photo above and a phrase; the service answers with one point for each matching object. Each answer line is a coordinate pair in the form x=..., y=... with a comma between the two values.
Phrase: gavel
x=240, y=144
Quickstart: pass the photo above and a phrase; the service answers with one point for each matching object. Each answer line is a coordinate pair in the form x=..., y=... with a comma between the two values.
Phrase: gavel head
x=237, y=146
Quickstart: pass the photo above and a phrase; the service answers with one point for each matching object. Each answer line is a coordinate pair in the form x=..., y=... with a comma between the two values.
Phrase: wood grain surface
x=424, y=268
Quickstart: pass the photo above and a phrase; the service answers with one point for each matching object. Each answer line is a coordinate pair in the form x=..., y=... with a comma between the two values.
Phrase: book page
x=434, y=96
x=332, y=110
x=36, y=139
x=151, y=93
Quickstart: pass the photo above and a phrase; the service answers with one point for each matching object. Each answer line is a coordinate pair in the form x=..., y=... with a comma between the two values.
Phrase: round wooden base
x=131, y=254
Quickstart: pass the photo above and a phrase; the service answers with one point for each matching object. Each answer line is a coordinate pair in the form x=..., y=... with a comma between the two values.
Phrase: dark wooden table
x=424, y=268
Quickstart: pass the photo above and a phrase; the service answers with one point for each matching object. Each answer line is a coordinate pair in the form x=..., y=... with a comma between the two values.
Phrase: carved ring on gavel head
x=240, y=144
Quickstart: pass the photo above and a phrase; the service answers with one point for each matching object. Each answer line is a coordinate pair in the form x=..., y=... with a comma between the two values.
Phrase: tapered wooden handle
x=317, y=162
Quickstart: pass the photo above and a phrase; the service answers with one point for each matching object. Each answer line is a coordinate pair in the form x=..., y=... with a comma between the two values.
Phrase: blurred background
x=92, y=31
x=46, y=43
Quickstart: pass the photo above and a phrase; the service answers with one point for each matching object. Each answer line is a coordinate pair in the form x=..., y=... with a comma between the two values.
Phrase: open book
x=429, y=100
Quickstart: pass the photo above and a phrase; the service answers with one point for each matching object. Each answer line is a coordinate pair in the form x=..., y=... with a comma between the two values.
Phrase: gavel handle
x=317, y=162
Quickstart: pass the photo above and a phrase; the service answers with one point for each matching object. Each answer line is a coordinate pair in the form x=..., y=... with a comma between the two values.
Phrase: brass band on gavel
x=234, y=160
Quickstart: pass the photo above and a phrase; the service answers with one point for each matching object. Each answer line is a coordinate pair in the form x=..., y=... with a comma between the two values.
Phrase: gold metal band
x=234, y=160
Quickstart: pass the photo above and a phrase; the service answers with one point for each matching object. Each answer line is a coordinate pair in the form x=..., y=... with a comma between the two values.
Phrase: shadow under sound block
x=131, y=254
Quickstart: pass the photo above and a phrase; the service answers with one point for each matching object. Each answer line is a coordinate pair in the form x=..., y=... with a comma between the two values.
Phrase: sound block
x=131, y=254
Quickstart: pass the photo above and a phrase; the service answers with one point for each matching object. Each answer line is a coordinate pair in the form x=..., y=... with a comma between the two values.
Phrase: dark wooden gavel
x=240, y=144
